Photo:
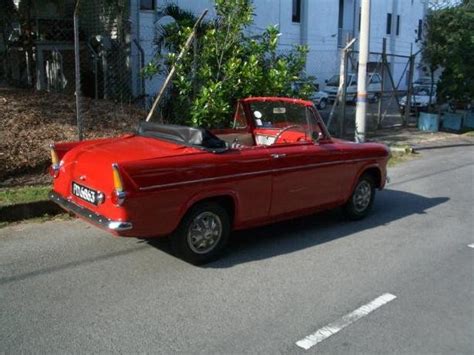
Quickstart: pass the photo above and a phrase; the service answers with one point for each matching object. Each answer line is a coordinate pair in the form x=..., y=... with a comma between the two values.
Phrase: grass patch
x=398, y=158
x=469, y=134
x=16, y=195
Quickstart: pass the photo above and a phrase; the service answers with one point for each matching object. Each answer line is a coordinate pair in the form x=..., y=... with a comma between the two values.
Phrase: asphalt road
x=69, y=287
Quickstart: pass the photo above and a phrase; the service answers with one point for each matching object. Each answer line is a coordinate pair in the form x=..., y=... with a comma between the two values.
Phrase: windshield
x=284, y=116
x=334, y=81
x=278, y=114
x=421, y=91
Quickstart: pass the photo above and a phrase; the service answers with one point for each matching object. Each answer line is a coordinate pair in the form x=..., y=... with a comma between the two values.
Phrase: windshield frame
x=313, y=121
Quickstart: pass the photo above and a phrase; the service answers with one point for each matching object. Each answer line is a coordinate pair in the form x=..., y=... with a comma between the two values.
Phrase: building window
x=147, y=4
x=398, y=25
x=296, y=13
x=389, y=24
x=341, y=14
x=420, y=29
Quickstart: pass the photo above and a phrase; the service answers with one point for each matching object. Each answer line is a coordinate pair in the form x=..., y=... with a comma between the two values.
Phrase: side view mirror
x=326, y=81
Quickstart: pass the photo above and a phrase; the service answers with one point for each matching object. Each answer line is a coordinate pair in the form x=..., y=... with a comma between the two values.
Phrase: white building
x=323, y=25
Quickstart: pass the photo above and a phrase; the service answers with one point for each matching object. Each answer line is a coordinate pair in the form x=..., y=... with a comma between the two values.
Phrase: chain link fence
x=389, y=81
x=39, y=53
x=105, y=37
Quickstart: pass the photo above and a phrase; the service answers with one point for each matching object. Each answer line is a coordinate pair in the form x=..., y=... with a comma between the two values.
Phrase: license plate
x=84, y=193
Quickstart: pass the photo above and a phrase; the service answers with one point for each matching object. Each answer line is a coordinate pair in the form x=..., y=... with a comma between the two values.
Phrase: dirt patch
x=31, y=120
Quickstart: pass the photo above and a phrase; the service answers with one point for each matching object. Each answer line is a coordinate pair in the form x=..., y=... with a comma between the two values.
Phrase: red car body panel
x=263, y=184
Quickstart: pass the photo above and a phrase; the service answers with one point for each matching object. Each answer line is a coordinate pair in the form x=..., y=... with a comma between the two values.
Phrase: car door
x=247, y=171
x=306, y=175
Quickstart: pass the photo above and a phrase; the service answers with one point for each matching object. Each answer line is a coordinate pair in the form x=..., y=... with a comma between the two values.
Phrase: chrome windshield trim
x=89, y=215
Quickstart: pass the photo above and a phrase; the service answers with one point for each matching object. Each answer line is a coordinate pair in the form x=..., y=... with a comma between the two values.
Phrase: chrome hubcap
x=362, y=196
x=204, y=232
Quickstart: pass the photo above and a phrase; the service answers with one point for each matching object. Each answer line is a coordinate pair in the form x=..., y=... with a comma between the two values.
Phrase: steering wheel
x=283, y=130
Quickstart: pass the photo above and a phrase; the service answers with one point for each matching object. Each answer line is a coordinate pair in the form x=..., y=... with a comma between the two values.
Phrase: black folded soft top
x=190, y=136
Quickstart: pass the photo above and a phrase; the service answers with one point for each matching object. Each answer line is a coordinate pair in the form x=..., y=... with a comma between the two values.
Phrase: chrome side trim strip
x=262, y=172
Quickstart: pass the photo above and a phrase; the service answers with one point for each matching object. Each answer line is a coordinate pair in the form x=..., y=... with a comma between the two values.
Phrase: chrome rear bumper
x=89, y=215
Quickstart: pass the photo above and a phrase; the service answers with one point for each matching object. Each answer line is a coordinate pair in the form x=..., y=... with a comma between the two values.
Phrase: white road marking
x=471, y=245
x=334, y=327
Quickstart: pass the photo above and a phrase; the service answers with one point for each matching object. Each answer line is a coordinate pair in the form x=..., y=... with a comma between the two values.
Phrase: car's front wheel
x=362, y=198
x=202, y=234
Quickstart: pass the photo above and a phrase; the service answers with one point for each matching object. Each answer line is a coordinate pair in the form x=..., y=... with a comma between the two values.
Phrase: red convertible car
x=276, y=162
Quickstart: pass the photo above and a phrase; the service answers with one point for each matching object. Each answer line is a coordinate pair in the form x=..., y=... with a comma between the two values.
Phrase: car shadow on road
x=301, y=233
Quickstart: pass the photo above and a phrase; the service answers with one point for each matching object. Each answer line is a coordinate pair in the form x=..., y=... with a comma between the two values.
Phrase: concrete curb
x=22, y=211
x=428, y=147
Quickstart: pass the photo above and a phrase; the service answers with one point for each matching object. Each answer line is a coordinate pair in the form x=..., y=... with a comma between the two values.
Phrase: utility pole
x=343, y=78
x=361, y=110
x=342, y=87
x=411, y=70
x=77, y=70
x=382, y=86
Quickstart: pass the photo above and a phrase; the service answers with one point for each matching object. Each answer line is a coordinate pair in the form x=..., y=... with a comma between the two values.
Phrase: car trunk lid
x=90, y=164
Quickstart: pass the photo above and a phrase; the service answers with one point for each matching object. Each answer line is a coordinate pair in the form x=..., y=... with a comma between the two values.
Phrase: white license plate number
x=84, y=193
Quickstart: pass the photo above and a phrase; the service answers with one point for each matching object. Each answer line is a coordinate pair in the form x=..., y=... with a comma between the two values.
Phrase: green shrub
x=225, y=64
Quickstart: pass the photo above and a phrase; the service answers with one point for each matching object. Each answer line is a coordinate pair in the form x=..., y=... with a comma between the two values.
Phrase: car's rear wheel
x=362, y=198
x=202, y=234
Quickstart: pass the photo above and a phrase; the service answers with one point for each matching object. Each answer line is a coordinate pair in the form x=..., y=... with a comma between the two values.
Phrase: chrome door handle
x=277, y=156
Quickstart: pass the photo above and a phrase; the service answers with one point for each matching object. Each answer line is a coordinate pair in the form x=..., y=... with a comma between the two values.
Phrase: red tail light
x=55, y=163
x=118, y=195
